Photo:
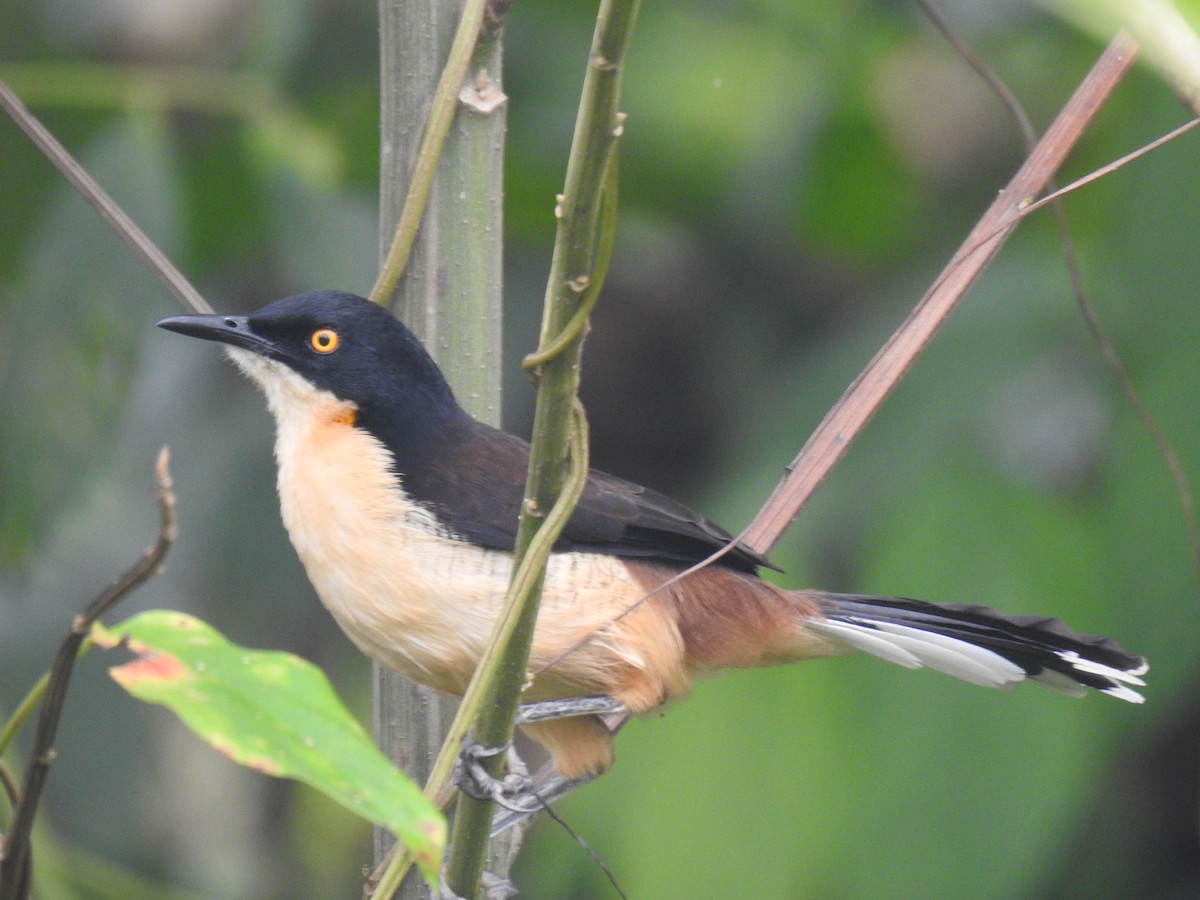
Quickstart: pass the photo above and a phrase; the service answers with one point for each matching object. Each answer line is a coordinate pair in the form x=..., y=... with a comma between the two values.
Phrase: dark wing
x=475, y=488
x=617, y=516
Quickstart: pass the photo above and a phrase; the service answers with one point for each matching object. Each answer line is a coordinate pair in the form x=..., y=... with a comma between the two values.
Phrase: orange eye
x=323, y=340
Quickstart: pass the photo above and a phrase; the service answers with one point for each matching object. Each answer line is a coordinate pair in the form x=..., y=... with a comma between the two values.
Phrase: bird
x=403, y=510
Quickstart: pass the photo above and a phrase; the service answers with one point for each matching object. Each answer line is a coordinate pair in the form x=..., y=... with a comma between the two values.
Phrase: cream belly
x=424, y=604
x=421, y=602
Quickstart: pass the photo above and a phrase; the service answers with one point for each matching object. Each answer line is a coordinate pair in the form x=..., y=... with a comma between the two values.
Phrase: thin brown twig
x=106, y=206
x=856, y=406
x=1109, y=168
x=15, y=857
x=587, y=848
x=984, y=71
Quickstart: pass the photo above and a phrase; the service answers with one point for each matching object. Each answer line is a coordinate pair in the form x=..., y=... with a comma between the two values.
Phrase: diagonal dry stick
x=856, y=407
x=112, y=213
x=1087, y=311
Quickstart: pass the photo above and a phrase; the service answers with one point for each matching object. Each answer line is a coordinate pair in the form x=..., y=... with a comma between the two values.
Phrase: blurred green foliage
x=794, y=174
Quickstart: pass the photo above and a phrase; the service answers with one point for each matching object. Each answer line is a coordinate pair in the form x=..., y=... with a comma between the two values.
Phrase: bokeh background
x=794, y=173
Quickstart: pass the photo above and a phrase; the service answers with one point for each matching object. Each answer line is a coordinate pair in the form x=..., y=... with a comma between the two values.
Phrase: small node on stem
x=481, y=94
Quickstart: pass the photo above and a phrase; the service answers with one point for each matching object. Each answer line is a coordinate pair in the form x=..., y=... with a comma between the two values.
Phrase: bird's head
x=329, y=347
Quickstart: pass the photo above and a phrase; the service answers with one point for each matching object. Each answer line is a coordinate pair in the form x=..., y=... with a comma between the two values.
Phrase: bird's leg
x=475, y=781
x=544, y=788
x=543, y=710
x=519, y=795
x=548, y=785
x=492, y=887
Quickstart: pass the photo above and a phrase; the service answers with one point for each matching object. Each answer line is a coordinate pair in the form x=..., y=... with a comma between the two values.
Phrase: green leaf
x=273, y=712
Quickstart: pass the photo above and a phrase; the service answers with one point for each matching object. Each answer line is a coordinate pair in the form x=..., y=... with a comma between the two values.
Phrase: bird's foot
x=519, y=795
x=512, y=791
x=545, y=787
x=548, y=785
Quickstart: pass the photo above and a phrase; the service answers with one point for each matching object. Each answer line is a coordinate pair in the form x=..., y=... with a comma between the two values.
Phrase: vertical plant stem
x=524, y=574
x=449, y=294
x=441, y=107
x=573, y=269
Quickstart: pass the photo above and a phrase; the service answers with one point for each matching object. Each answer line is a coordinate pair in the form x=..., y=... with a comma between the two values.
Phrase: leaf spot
x=151, y=667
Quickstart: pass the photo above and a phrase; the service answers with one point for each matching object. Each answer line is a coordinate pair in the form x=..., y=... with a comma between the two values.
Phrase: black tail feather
x=1041, y=648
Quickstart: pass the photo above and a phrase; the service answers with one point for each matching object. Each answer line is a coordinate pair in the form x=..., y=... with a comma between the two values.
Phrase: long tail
x=980, y=645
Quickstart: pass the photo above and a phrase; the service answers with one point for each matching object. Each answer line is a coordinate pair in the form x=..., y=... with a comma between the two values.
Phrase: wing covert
x=476, y=487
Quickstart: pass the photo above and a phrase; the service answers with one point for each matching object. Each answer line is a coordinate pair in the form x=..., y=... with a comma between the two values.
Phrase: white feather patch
x=1117, y=690
x=1096, y=668
x=1123, y=693
x=913, y=648
x=867, y=640
x=956, y=657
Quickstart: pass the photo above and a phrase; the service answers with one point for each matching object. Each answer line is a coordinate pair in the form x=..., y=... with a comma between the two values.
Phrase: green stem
x=23, y=710
x=608, y=233
x=26, y=707
x=526, y=575
x=573, y=274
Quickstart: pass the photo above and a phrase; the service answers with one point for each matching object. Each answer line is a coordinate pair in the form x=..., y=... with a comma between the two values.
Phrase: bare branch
x=15, y=856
